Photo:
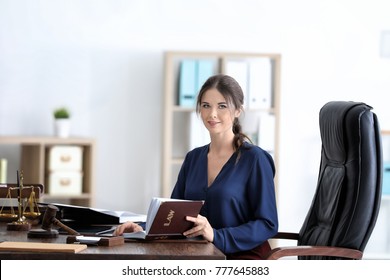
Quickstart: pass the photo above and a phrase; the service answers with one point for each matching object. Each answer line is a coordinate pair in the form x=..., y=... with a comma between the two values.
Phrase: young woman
x=234, y=177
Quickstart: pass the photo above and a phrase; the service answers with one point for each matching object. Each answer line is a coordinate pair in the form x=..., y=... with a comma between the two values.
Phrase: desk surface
x=130, y=250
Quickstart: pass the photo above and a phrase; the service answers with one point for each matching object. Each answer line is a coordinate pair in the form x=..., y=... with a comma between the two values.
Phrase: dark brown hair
x=232, y=92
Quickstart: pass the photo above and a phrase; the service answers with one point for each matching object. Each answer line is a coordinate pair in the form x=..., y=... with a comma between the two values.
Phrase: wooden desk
x=130, y=250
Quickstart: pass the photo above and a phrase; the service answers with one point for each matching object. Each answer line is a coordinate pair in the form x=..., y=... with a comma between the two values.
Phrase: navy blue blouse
x=240, y=204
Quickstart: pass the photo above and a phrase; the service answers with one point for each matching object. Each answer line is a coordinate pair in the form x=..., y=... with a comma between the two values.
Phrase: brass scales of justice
x=27, y=205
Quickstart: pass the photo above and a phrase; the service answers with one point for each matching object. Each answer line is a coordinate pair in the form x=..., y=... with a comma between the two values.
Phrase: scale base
x=18, y=226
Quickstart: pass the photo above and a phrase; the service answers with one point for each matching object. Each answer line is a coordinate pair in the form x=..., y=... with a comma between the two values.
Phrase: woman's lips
x=213, y=123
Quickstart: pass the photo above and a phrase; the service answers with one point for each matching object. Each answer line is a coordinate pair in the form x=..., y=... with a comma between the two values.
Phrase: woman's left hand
x=201, y=227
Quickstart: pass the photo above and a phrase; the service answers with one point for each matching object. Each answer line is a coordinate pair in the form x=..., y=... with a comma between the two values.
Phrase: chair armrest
x=286, y=235
x=329, y=251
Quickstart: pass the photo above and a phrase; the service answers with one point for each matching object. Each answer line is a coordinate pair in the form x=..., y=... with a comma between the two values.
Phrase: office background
x=104, y=60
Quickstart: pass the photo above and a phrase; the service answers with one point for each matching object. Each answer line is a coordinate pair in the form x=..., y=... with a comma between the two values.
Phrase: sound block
x=42, y=233
x=18, y=226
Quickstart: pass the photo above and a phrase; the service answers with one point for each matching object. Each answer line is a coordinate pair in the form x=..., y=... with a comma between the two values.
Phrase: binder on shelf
x=260, y=84
x=187, y=83
x=267, y=132
x=199, y=135
x=238, y=69
x=193, y=73
x=251, y=125
x=204, y=71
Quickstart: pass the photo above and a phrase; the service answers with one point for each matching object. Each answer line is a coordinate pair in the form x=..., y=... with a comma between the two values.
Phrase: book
x=166, y=219
x=81, y=215
x=41, y=247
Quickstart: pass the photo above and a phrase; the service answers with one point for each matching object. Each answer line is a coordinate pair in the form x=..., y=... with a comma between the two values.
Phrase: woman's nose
x=213, y=113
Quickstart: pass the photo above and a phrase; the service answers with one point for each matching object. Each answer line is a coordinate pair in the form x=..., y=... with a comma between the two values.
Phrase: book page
x=136, y=235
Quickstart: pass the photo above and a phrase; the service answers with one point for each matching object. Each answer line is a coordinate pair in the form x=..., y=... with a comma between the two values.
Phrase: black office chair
x=346, y=203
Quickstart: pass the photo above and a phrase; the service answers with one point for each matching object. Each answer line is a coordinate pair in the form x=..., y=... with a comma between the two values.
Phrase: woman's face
x=217, y=115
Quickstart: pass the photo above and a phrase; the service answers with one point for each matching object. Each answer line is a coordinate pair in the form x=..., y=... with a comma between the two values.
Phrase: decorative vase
x=62, y=128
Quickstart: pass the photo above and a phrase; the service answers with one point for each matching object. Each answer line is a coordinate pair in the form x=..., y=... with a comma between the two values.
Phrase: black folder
x=72, y=214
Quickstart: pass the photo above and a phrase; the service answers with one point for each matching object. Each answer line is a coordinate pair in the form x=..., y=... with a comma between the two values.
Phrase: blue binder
x=187, y=83
x=205, y=70
x=193, y=74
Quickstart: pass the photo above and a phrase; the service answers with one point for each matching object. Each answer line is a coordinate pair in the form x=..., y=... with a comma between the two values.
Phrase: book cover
x=167, y=219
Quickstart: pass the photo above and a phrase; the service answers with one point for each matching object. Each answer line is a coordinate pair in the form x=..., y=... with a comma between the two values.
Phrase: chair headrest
x=332, y=122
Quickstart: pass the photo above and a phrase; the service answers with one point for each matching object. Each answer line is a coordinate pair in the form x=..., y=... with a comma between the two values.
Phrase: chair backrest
x=346, y=203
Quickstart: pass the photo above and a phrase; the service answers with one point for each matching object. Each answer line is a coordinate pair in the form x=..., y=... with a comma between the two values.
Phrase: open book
x=166, y=218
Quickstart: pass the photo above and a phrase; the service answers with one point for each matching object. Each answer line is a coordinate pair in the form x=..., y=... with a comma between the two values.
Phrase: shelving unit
x=34, y=162
x=177, y=119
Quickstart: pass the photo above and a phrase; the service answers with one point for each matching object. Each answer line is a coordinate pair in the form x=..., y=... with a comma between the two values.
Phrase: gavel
x=49, y=219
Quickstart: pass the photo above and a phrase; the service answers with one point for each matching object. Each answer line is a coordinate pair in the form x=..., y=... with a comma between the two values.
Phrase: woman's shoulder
x=253, y=150
x=198, y=151
x=252, y=153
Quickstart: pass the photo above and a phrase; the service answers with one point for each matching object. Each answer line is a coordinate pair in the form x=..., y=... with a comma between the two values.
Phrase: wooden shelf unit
x=33, y=162
x=173, y=111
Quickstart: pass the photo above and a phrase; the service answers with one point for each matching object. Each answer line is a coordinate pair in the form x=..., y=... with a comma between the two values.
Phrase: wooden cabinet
x=180, y=118
x=34, y=162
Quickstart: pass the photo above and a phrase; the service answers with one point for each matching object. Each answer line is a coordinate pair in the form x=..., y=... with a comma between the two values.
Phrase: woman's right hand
x=127, y=227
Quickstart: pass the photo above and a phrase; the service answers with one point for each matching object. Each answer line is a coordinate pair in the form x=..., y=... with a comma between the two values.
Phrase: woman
x=232, y=176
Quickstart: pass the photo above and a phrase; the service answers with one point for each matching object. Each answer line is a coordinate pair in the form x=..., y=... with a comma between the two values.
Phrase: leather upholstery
x=347, y=199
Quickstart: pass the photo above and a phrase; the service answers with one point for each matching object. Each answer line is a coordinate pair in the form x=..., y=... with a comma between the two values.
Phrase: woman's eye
x=222, y=106
x=205, y=106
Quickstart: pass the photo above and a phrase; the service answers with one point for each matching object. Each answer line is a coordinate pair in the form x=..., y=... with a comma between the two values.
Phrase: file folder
x=204, y=71
x=187, y=83
x=238, y=69
x=260, y=84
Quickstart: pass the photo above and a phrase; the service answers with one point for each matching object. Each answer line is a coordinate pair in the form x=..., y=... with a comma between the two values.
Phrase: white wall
x=104, y=59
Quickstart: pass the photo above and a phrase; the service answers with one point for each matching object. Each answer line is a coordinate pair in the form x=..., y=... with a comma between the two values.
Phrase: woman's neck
x=221, y=145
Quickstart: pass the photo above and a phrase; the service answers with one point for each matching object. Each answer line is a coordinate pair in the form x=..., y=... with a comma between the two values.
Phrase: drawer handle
x=65, y=182
x=66, y=158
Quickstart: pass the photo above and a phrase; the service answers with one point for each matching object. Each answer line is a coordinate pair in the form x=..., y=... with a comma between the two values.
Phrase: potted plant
x=62, y=122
